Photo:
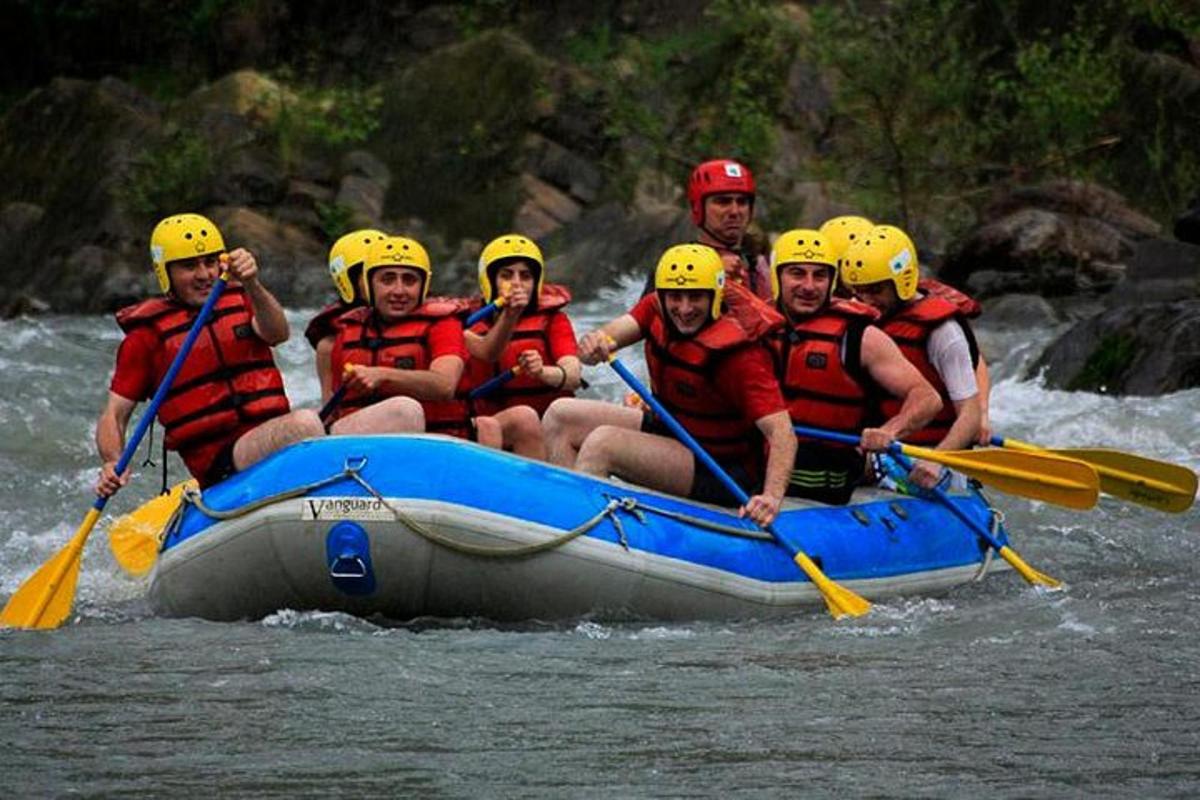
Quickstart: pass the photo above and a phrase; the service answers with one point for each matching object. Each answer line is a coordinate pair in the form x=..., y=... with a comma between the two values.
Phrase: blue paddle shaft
x=492, y=384
x=481, y=314
x=333, y=402
x=680, y=432
x=842, y=438
x=997, y=441
x=152, y=410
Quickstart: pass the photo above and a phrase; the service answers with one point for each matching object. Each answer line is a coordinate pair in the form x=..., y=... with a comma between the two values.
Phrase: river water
x=996, y=687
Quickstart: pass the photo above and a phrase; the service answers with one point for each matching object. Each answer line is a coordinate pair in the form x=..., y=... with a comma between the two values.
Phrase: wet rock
x=292, y=260
x=1141, y=350
x=1056, y=239
x=367, y=165
x=67, y=148
x=545, y=209
x=1025, y=311
x=245, y=94
x=364, y=199
x=608, y=242
x=562, y=168
x=454, y=125
x=1161, y=270
x=250, y=176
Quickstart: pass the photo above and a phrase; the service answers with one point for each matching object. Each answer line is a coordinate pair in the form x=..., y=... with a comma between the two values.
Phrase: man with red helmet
x=721, y=200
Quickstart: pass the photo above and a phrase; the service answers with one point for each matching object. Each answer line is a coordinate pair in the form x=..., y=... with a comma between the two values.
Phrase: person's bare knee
x=523, y=432
x=488, y=432
x=595, y=453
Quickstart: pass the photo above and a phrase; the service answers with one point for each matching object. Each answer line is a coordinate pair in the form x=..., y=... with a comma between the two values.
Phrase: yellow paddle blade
x=46, y=597
x=134, y=538
x=838, y=599
x=1038, y=476
x=1027, y=572
x=1157, y=484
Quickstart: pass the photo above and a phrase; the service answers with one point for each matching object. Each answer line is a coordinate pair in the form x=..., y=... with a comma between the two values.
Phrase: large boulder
x=1056, y=239
x=452, y=132
x=1161, y=270
x=67, y=148
x=292, y=260
x=1140, y=350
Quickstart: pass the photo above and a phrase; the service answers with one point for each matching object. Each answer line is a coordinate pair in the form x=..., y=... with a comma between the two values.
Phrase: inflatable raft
x=422, y=525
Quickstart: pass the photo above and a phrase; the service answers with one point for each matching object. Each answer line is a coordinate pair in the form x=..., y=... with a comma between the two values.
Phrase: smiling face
x=192, y=278
x=688, y=309
x=804, y=288
x=397, y=290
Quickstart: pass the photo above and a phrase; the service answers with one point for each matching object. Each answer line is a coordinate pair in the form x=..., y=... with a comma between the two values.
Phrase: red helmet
x=717, y=177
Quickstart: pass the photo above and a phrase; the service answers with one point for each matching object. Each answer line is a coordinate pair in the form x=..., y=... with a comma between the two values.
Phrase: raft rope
x=352, y=471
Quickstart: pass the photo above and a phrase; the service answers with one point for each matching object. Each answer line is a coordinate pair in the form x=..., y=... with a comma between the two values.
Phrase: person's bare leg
x=568, y=421
x=523, y=432
x=274, y=434
x=393, y=415
x=642, y=458
x=489, y=433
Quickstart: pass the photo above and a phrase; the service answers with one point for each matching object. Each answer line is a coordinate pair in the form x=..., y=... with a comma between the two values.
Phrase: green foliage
x=336, y=219
x=175, y=173
x=324, y=118
x=1107, y=363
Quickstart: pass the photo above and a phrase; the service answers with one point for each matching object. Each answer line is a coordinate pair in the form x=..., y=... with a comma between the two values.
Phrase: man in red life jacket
x=345, y=269
x=712, y=373
x=226, y=409
x=931, y=332
x=530, y=334
x=406, y=352
x=832, y=365
x=842, y=232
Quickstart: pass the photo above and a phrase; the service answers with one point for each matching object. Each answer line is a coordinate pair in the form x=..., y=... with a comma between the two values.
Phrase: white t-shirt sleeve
x=950, y=355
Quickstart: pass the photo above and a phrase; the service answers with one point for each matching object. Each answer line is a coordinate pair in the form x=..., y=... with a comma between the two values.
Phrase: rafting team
x=834, y=330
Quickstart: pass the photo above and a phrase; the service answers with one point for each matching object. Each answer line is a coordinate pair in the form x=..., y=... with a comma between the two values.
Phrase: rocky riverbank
x=471, y=133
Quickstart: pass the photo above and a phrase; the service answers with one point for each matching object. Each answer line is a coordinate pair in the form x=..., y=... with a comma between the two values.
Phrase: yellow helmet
x=348, y=253
x=502, y=248
x=842, y=232
x=802, y=246
x=884, y=254
x=692, y=266
x=396, y=251
x=182, y=236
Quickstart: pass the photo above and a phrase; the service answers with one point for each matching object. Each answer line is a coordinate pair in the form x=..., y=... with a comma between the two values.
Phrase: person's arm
x=110, y=442
x=763, y=508
x=324, y=356
x=984, y=379
x=269, y=321
x=434, y=384
x=595, y=346
x=950, y=354
x=489, y=346
x=888, y=367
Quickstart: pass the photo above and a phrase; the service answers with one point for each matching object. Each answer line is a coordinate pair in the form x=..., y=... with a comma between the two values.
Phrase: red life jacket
x=968, y=306
x=910, y=328
x=322, y=325
x=228, y=383
x=822, y=389
x=682, y=376
x=530, y=333
x=362, y=338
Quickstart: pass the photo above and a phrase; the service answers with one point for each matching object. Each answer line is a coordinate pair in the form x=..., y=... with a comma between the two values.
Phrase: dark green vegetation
x=913, y=110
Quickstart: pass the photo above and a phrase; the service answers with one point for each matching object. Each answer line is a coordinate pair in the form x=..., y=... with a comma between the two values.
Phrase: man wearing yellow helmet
x=845, y=231
x=405, y=353
x=226, y=409
x=710, y=371
x=345, y=269
x=932, y=333
x=833, y=364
